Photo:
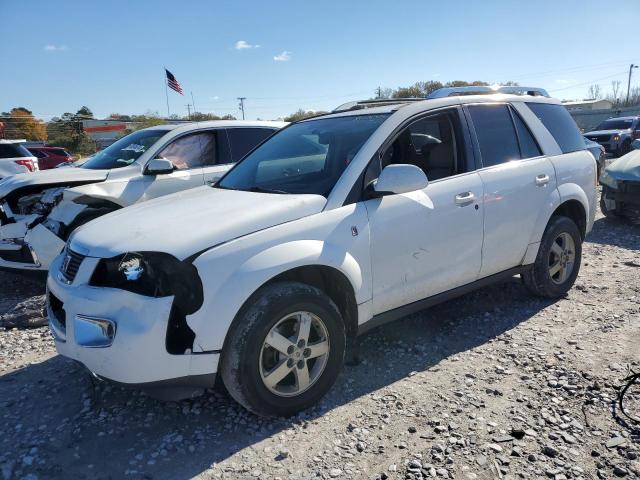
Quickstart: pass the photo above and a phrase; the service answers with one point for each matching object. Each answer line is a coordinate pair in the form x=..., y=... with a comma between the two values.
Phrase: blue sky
x=58, y=56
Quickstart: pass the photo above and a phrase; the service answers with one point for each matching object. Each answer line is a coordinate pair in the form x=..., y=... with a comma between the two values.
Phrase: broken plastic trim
x=162, y=275
x=157, y=274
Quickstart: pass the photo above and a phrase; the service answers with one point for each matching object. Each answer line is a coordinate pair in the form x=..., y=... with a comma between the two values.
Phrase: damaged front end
x=36, y=226
x=26, y=234
x=621, y=188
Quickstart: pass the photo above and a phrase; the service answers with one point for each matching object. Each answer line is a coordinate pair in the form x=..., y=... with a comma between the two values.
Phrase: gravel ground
x=496, y=384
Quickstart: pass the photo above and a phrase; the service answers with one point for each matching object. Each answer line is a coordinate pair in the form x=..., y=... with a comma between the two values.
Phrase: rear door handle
x=542, y=180
x=465, y=198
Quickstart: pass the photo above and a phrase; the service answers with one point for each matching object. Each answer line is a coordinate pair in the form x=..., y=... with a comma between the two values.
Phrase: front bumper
x=27, y=248
x=623, y=200
x=118, y=335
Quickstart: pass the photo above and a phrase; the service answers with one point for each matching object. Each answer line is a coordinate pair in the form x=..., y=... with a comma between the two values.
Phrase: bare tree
x=595, y=92
x=615, y=89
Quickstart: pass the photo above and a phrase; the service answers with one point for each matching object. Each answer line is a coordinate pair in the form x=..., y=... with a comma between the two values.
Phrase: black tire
x=605, y=211
x=240, y=364
x=538, y=279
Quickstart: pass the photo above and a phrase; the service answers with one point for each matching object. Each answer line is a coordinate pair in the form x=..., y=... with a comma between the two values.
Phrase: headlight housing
x=152, y=274
x=608, y=180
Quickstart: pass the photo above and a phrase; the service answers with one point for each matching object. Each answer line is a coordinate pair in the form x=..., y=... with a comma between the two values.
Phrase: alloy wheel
x=562, y=258
x=294, y=354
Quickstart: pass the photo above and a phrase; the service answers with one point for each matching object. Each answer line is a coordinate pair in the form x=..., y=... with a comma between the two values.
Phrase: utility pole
x=241, y=105
x=188, y=105
x=631, y=67
x=379, y=92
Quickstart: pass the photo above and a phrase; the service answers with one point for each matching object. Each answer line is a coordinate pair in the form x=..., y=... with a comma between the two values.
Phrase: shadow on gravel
x=614, y=232
x=83, y=430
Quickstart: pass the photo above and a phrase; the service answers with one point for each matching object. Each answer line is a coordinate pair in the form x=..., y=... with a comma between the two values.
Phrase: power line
x=587, y=83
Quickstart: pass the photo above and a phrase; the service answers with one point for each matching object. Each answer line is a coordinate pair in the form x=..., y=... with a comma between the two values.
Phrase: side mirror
x=636, y=144
x=400, y=178
x=158, y=166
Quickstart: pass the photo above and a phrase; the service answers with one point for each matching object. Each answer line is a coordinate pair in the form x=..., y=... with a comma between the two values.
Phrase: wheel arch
x=568, y=200
x=320, y=264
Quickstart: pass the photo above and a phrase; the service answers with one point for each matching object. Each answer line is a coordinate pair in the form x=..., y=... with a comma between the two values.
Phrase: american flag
x=173, y=83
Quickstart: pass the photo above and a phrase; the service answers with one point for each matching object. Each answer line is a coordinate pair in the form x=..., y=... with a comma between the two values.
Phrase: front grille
x=57, y=310
x=599, y=138
x=70, y=265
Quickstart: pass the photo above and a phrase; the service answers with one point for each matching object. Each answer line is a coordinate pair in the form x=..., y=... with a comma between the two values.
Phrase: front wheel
x=558, y=261
x=284, y=349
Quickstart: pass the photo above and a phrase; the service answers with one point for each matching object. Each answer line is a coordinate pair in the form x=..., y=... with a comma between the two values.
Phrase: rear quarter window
x=12, y=150
x=560, y=124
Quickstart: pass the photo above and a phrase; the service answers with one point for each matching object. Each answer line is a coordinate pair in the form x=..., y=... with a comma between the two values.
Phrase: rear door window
x=560, y=124
x=243, y=140
x=495, y=133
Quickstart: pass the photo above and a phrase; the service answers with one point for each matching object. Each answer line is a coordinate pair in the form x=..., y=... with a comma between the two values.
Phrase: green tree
x=84, y=112
x=301, y=115
x=20, y=123
x=149, y=119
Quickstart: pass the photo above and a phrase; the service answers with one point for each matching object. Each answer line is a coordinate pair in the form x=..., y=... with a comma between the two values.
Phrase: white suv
x=15, y=158
x=39, y=211
x=334, y=225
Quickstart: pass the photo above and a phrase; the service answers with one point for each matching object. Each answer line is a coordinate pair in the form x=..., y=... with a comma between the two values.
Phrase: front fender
x=225, y=294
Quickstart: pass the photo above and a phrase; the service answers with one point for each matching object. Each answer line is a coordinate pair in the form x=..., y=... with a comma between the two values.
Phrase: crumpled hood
x=55, y=176
x=626, y=168
x=188, y=222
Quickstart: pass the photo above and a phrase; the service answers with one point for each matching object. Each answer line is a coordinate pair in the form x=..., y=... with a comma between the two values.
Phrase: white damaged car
x=38, y=211
x=332, y=226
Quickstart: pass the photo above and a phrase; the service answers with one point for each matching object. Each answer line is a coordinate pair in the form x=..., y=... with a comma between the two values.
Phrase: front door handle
x=465, y=198
x=542, y=180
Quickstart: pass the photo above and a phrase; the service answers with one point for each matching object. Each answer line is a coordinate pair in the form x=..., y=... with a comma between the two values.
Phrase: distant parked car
x=50, y=157
x=38, y=212
x=598, y=152
x=621, y=188
x=616, y=134
x=15, y=158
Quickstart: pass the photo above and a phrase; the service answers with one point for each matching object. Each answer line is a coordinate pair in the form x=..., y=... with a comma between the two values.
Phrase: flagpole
x=166, y=92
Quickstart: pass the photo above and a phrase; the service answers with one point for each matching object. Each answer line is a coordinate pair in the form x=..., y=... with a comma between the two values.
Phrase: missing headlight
x=153, y=274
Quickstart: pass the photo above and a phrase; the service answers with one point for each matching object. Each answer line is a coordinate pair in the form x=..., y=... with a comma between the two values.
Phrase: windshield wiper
x=265, y=190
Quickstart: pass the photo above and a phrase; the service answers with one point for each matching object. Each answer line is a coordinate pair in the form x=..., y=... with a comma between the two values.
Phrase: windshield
x=615, y=124
x=307, y=157
x=125, y=151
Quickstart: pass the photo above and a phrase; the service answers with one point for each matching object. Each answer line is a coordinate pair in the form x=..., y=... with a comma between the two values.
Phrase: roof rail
x=480, y=89
x=376, y=102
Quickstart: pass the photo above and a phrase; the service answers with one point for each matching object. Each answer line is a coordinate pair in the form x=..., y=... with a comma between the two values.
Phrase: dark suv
x=616, y=134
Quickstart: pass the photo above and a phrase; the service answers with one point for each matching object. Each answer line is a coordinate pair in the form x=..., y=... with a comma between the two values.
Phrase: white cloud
x=283, y=57
x=242, y=45
x=55, y=48
x=563, y=81
x=214, y=98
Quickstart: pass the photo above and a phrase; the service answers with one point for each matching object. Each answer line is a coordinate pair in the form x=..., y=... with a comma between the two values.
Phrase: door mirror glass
x=401, y=178
x=159, y=166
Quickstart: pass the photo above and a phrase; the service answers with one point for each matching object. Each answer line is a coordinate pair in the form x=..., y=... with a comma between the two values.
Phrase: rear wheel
x=558, y=261
x=284, y=350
